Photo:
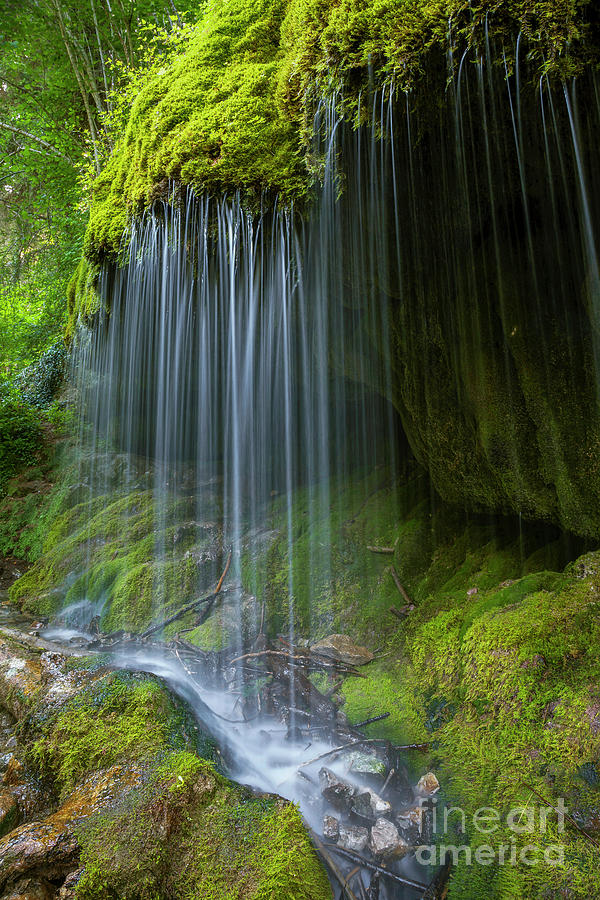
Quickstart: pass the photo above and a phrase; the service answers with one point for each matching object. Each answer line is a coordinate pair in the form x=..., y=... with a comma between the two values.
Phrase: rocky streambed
x=110, y=788
x=112, y=781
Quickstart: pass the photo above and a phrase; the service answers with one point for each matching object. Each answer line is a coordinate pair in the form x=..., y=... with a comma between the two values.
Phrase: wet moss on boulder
x=232, y=111
x=138, y=808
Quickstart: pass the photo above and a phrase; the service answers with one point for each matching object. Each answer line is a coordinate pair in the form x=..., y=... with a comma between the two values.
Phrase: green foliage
x=39, y=382
x=20, y=438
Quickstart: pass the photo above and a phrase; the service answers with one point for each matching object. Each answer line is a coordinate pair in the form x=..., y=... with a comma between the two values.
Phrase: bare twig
x=565, y=813
x=208, y=598
x=390, y=775
x=389, y=550
x=400, y=586
x=421, y=747
x=367, y=864
x=338, y=750
x=371, y=720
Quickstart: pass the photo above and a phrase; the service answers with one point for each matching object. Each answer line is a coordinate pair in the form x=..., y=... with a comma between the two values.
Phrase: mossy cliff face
x=231, y=112
x=492, y=335
x=210, y=120
x=496, y=666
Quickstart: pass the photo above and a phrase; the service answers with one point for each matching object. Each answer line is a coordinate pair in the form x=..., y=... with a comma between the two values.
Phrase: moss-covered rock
x=200, y=837
x=496, y=666
x=230, y=111
x=141, y=810
x=211, y=120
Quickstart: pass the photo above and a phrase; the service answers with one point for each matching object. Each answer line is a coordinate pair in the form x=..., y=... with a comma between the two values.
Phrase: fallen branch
x=400, y=586
x=389, y=550
x=371, y=720
x=339, y=750
x=373, y=867
x=208, y=598
x=565, y=813
x=342, y=880
x=421, y=747
x=312, y=660
x=439, y=882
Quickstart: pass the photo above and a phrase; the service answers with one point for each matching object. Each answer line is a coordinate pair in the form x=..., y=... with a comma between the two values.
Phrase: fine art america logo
x=512, y=850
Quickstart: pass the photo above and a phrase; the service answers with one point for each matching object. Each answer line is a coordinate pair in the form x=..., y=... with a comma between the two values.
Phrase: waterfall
x=436, y=309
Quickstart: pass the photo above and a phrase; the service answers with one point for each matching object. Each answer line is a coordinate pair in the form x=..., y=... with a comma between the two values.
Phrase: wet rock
x=340, y=647
x=50, y=848
x=9, y=811
x=40, y=847
x=331, y=828
x=31, y=889
x=379, y=806
x=385, y=839
x=427, y=785
x=365, y=764
x=410, y=823
x=361, y=807
x=67, y=891
x=337, y=791
x=20, y=678
x=370, y=805
x=15, y=772
x=353, y=837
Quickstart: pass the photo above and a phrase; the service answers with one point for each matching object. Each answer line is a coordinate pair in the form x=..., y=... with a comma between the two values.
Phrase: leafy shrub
x=20, y=437
x=39, y=382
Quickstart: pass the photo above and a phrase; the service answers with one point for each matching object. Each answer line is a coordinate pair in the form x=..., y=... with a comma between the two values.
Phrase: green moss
x=200, y=837
x=82, y=297
x=119, y=718
x=118, y=552
x=210, y=121
x=229, y=112
x=497, y=666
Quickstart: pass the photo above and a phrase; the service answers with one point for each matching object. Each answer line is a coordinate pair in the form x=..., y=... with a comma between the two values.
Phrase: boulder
x=331, y=828
x=340, y=647
x=335, y=790
x=385, y=839
x=353, y=837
